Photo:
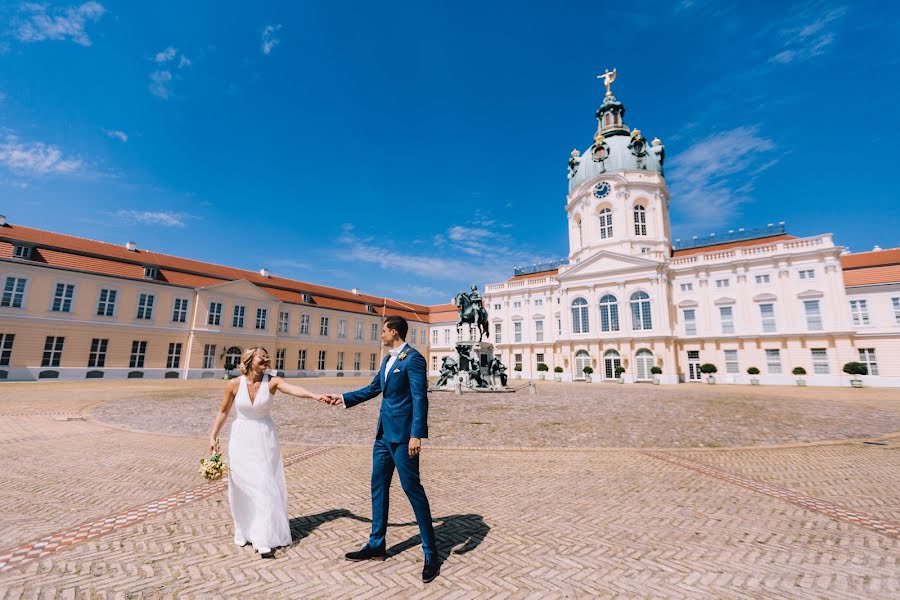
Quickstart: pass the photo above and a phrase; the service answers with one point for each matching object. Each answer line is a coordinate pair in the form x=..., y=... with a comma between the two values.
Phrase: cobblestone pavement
x=93, y=511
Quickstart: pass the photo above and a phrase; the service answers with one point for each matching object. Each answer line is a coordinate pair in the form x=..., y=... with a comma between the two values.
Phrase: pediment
x=606, y=263
x=809, y=294
x=239, y=288
x=724, y=301
x=688, y=304
x=765, y=298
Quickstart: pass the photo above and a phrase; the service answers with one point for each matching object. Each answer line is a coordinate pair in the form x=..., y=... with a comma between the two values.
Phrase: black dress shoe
x=431, y=570
x=367, y=553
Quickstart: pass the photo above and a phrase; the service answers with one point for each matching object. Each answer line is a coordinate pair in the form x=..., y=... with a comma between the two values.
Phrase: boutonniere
x=403, y=355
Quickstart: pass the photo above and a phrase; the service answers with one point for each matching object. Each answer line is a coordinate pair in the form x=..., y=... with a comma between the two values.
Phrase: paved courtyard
x=576, y=491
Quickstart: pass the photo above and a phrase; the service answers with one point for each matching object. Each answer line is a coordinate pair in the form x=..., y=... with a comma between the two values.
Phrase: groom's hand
x=333, y=399
x=415, y=447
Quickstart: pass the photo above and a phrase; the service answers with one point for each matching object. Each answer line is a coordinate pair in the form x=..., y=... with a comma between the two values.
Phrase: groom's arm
x=418, y=386
x=363, y=394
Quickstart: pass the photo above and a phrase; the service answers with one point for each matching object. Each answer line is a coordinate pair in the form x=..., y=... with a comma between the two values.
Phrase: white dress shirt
x=394, y=353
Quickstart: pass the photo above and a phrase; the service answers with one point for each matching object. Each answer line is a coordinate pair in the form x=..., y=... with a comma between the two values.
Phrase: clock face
x=601, y=189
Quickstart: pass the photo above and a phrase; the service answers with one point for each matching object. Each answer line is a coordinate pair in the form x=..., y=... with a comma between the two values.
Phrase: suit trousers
x=385, y=457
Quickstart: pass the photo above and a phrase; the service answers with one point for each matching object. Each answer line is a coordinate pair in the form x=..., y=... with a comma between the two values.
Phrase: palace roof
x=871, y=268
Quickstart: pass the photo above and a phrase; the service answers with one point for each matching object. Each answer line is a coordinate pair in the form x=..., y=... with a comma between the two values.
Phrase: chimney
x=2, y=220
x=130, y=246
x=264, y=272
x=355, y=291
x=876, y=248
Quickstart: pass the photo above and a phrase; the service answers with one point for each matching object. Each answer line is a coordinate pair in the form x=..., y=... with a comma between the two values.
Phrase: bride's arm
x=222, y=414
x=295, y=390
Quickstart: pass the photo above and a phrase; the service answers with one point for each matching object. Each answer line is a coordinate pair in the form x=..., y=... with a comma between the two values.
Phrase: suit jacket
x=404, y=407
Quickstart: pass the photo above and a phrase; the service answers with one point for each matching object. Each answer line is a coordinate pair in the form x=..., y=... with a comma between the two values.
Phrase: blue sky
x=408, y=148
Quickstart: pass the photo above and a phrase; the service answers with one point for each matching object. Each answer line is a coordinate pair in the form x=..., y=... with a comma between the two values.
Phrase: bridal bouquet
x=214, y=467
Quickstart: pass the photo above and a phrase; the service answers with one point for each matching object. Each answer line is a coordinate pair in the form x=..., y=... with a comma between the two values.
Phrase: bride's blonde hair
x=247, y=358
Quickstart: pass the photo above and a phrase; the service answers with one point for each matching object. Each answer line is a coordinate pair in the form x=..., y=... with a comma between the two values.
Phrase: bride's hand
x=212, y=445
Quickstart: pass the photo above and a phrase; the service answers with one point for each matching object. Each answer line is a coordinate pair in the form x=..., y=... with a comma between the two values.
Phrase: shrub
x=542, y=367
x=230, y=366
x=588, y=370
x=856, y=368
x=557, y=369
x=517, y=368
x=752, y=371
x=619, y=370
x=655, y=370
x=799, y=371
x=708, y=368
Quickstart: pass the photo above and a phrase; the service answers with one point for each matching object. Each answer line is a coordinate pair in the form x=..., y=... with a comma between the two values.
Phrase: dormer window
x=306, y=297
x=370, y=308
x=150, y=272
x=22, y=251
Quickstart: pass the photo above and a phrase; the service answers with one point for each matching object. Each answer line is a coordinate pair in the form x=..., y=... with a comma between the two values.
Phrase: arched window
x=233, y=356
x=640, y=220
x=582, y=360
x=611, y=360
x=580, y=322
x=606, y=230
x=640, y=311
x=644, y=362
x=609, y=313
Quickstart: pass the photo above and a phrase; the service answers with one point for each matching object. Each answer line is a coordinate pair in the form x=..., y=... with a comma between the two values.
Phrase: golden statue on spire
x=608, y=77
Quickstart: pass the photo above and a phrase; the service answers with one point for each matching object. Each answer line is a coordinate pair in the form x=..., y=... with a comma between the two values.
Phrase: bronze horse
x=469, y=313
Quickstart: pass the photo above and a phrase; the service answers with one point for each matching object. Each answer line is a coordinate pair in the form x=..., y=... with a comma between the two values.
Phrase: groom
x=402, y=423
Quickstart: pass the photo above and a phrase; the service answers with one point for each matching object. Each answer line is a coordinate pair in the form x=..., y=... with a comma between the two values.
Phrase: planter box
x=801, y=382
x=557, y=377
x=710, y=380
x=754, y=381
x=656, y=380
x=856, y=383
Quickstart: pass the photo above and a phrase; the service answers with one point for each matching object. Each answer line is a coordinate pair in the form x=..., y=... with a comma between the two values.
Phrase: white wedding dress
x=256, y=488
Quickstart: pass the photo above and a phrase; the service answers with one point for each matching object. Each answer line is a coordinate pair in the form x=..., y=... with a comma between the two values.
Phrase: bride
x=256, y=488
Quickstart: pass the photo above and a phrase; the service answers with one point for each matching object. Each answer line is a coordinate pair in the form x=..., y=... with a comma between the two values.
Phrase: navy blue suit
x=404, y=414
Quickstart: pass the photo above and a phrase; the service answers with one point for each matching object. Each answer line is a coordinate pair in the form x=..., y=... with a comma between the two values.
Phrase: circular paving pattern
x=569, y=415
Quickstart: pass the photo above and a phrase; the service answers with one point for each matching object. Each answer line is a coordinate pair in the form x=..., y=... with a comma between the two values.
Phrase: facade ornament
x=608, y=77
x=623, y=192
x=600, y=151
x=574, y=161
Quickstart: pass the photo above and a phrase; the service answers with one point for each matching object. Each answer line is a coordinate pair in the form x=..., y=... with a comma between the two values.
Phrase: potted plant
x=619, y=370
x=542, y=368
x=557, y=373
x=709, y=369
x=753, y=371
x=799, y=372
x=228, y=368
x=656, y=371
x=855, y=369
x=518, y=370
x=587, y=373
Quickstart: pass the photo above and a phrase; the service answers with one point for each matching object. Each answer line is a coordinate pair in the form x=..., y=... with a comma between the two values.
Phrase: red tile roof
x=727, y=245
x=534, y=275
x=871, y=259
x=871, y=268
x=80, y=254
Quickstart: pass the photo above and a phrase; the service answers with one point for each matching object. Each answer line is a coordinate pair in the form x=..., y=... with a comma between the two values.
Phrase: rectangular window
x=373, y=360
x=279, y=359
x=375, y=332
x=539, y=358
x=498, y=306
x=53, y=348
x=301, y=360
x=321, y=360
x=517, y=304
x=517, y=331
x=237, y=317
x=687, y=287
x=773, y=362
x=722, y=283
x=859, y=310
x=209, y=356
x=767, y=314
x=726, y=317
x=173, y=358
x=731, y=362
x=498, y=333
x=22, y=251
x=866, y=356
x=896, y=304
x=820, y=361
x=357, y=361
x=215, y=314
x=138, y=353
x=539, y=331
x=106, y=306
x=447, y=337
x=761, y=279
x=283, y=322
x=304, y=324
x=150, y=272
x=179, y=312
x=690, y=321
x=262, y=316
x=13, y=292
x=342, y=328
x=6, y=346
x=539, y=302
x=62, y=298
x=323, y=326
x=97, y=356
x=813, y=315
x=807, y=274
x=145, y=306
x=559, y=327
x=434, y=337
x=517, y=360
x=359, y=332
x=340, y=361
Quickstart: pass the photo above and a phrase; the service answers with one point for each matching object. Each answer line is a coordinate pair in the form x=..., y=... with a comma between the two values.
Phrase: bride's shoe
x=266, y=552
x=240, y=542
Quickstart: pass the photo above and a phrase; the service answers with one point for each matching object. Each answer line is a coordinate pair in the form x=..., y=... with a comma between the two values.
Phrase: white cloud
x=166, y=55
x=115, y=133
x=164, y=218
x=269, y=41
x=161, y=79
x=66, y=23
x=160, y=84
x=808, y=33
x=35, y=158
x=712, y=179
x=183, y=62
